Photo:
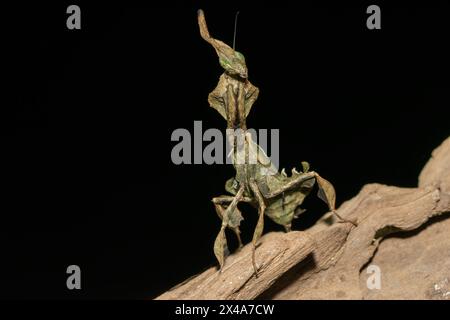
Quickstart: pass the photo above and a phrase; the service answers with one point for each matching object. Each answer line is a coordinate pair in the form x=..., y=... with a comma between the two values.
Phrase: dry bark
x=398, y=230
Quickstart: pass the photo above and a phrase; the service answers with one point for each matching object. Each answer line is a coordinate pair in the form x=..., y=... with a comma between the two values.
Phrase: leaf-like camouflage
x=275, y=194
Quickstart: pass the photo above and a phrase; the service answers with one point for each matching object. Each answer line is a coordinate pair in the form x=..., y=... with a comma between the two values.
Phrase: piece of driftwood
x=398, y=231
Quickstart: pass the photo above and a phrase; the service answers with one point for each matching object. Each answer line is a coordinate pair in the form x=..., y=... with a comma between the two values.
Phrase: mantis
x=274, y=194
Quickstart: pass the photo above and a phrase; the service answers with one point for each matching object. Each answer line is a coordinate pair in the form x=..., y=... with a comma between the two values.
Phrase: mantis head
x=231, y=60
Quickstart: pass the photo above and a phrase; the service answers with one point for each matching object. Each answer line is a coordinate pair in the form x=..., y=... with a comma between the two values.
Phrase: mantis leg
x=228, y=199
x=220, y=212
x=298, y=181
x=260, y=225
x=220, y=203
x=343, y=220
x=288, y=227
x=291, y=184
x=237, y=231
x=230, y=218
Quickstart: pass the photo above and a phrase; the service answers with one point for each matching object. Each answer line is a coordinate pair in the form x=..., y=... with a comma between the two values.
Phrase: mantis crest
x=258, y=182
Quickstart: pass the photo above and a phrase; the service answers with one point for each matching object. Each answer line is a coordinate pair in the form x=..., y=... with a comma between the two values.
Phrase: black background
x=88, y=114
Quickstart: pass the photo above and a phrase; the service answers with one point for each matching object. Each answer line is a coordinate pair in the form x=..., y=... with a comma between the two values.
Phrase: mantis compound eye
x=234, y=65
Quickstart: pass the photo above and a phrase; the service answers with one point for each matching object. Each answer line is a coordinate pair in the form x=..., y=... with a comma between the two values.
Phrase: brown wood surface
x=398, y=230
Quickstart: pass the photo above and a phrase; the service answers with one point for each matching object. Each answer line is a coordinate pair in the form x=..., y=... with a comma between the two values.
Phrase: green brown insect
x=259, y=183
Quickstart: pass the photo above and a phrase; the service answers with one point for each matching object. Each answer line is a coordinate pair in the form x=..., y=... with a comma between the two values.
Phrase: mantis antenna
x=235, y=27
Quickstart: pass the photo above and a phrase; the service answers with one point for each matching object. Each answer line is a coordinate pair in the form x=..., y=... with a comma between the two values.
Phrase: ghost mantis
x=273, y=193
